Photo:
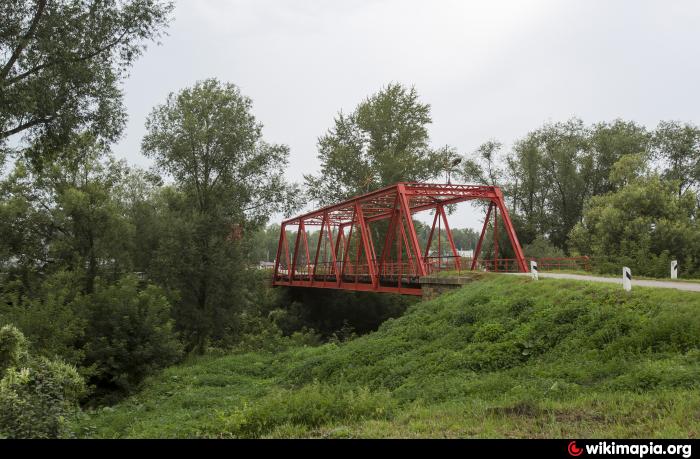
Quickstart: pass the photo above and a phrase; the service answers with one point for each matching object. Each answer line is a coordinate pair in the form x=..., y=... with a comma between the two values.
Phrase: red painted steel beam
x=279, y=252
x=396, y=203
x=415, y=246
x=369, y=255
x=477, y=251
x=512, y=236
x=318, y=248
x=458, y=263
x=430, y=236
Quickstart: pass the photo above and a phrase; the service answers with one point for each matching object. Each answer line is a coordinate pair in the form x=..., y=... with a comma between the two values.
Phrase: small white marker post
x=674, y=269
x=533, y=270
x=626, y=278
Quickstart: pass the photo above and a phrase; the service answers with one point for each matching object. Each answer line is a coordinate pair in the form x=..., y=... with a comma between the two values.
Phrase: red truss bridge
x=369, y=242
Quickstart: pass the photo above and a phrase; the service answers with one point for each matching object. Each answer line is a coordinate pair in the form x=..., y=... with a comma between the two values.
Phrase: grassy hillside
x=502, y=357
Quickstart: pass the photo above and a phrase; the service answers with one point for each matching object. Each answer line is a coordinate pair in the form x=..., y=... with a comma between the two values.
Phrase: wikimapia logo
x=640, y=450
x=574, y=450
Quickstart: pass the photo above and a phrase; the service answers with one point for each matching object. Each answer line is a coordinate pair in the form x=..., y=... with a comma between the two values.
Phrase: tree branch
x=23, y=126
x=41, y=5
x=86, y=57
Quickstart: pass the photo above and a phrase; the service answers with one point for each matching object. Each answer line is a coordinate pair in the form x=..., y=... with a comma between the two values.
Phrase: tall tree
x=677, y=147
x=383, y=141
x=230, y=180
x=69, y=216
x=60, y=64
x=608, y=143
x=644, y=225
x=483, y=168
x=554, y=170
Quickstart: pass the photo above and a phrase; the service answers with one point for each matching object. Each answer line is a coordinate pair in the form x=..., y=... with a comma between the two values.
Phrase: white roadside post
x=626, y=278
x=674, y=269
x=533, y=270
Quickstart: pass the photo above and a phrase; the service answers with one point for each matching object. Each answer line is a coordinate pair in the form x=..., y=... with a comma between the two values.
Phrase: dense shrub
x=129, y=333
x=13, y=347
x=49, y=319
x=38, y=396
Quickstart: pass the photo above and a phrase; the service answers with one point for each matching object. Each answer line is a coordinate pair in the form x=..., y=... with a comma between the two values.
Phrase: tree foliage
x=228, y=181
x=643, y=225
x=61, y=62
x=677, y=146
x=383, y=141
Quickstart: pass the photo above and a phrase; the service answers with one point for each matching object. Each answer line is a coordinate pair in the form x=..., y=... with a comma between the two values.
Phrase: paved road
x=688, y=286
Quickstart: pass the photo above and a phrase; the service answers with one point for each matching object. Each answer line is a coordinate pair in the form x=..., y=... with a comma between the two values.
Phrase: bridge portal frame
x=382, y=272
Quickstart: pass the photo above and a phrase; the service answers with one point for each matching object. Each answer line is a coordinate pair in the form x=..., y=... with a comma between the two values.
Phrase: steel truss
x=345, y=255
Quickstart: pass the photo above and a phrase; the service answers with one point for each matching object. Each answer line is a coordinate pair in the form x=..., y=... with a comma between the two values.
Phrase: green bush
x=13, y=347
x=38, y=396
x=49, y=319
x=129, y=333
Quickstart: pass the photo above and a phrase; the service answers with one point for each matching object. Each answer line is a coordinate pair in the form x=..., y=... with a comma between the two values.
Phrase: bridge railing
x=433, y=265
x=436, y=264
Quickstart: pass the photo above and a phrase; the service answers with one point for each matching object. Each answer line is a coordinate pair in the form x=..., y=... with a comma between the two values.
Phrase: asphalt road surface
x=687, y=286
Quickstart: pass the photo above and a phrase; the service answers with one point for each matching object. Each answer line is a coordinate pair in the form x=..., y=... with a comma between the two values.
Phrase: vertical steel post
x=458, y=262
x=430, y=236
x=401, y=189
x=389, y=238
x=366, y=243
x=399, y=255
x=477, y=251
x=318, y=246
x=495, y=239
x=346, y=249
x=306, y=250
x=334, y=268
x=409, y=255
x=296, y=252
x=279, y=253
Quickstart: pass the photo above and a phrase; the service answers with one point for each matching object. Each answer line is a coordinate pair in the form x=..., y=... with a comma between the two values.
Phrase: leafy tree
x=66, y=216
x=228, y=182
x=383, y=141
x=610, y=142
x=677, y=147
x=554, y=170
x=628, y=169
x=61, y=62
x=264, y=243
x=484, y=168
x=542, y=248
x=643, y=225
x=465, y=238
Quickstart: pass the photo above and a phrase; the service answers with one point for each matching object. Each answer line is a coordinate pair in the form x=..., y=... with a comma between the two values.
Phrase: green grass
x=502, y=357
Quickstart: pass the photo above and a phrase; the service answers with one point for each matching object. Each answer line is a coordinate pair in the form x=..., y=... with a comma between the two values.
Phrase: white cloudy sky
x=489, y=69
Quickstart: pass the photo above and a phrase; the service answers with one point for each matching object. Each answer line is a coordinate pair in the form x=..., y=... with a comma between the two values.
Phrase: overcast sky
x=489, y=69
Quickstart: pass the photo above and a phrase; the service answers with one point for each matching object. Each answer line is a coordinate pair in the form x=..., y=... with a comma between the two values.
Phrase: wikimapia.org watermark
x=641, y=450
